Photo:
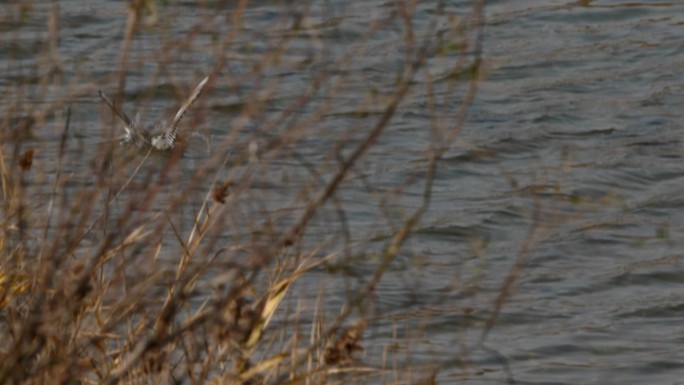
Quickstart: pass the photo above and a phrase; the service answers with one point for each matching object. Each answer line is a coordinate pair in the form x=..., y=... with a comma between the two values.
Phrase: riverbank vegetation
x=131, y=268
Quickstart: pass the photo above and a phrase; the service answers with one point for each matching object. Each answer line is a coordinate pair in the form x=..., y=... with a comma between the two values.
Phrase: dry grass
x=105, y=279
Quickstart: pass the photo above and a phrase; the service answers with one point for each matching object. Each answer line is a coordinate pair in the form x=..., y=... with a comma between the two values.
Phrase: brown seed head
x=26, y=159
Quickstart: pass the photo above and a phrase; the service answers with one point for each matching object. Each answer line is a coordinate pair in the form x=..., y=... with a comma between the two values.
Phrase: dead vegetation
x=104, y=278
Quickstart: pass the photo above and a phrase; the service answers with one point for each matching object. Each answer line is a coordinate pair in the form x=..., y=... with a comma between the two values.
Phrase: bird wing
x=173, y=128
x=122, y=115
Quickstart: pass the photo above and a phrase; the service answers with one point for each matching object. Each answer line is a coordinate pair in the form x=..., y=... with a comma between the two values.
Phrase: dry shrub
x=128, y=267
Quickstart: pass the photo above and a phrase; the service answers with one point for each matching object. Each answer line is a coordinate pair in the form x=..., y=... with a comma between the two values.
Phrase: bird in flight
x=164, y=137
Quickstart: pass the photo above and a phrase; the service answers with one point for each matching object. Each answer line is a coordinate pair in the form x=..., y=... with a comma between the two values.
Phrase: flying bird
x=161, y=139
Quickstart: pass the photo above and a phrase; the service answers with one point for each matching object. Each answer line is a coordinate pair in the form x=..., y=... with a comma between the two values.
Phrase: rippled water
x=566, y=176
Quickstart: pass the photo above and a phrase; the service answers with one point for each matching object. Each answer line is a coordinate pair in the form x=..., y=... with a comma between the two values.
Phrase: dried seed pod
x=221, y=192
x=26, y=159
x=341, y=351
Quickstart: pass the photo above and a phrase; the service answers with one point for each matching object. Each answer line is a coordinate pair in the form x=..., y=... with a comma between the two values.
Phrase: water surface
x=568, y=163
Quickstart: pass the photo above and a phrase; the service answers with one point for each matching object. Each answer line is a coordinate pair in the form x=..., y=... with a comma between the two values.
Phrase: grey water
x=566, y=175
